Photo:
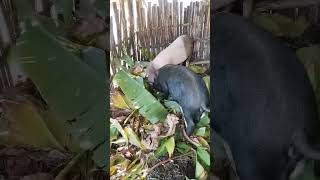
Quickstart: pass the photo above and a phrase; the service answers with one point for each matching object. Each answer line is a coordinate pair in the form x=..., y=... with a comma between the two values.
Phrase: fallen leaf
x=117, y=101
x=133, y=138
x=170, y=145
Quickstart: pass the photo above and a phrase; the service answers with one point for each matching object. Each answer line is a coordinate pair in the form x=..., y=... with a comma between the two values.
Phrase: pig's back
x=183, y=84
x=262, y=96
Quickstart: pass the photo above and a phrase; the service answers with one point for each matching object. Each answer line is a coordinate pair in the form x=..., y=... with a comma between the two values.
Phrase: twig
x=130, y=115
x=187, y=137
x=166, y=161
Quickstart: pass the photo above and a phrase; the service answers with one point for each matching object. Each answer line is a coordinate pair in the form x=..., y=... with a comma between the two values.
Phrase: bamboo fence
x=155, y=26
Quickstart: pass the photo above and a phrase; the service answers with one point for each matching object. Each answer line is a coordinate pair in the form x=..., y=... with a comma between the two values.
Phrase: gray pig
x=187, y=89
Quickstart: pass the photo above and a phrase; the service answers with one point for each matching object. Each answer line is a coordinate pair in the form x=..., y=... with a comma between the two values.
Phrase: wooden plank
x=152, y=27
x=138, y=33
x=112, y=44
x=208, y=33
x=205, y=30
x=155, y=26
x=173, y=19
x=113, y=52
x=190, y=18
x=143, y=28
x=193, y=28
x=170, y=33
x=124, y=25
x=204, y=20
x=202, y=24
x=159, y=29
x=181, y=19
x=185, y=15
x=165, y=13
x=132, y=35
x=149, y=26
x=118, y=27
x=161, y=22
x=176, y=18
x=196, y=28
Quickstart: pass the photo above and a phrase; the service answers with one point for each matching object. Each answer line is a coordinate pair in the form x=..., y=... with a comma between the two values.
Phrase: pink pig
x=177, y=52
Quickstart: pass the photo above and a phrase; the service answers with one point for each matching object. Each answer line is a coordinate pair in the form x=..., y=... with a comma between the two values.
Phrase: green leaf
x=128, y=60
x=115, y=62
x=309, y=54
x=206, y=80
x=310, y=57
x=183, y=147
x=134, y=171
x=96, y=59
x=58, y=128
x=266, y=22
x=172, y=105
x=281, y=25
x=90, y=130
x=115, y=124
x=148, y=105
x=289, y=27
x=170, y=144
x=161, y=151
x=197, y=69
x=140, y=80
x=199, y=170
x=201, y=132
x=133, y=138
x=146, y=54
x=73, y=89
x=204, y=121
x=113, y=133
x=68, y=85
x=204, y=156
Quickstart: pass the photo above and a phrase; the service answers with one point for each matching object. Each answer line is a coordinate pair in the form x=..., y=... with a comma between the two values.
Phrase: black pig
x=187, y=89
x=263, y=103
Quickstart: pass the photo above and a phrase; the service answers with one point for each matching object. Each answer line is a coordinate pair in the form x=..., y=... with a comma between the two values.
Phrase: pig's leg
x=188, y=122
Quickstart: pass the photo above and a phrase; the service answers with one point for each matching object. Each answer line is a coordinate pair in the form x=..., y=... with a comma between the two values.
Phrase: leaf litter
x=145, y=144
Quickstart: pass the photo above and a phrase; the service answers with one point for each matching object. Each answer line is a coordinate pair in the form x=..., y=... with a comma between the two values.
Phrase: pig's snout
x=151, y=73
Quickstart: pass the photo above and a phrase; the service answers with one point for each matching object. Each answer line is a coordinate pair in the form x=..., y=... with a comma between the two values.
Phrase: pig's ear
x=156, y=72
x=149, y=69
